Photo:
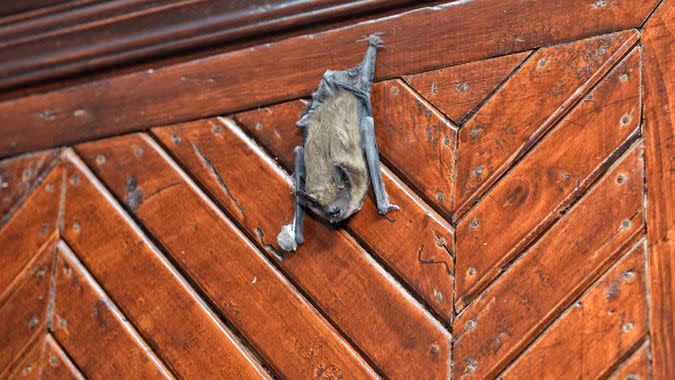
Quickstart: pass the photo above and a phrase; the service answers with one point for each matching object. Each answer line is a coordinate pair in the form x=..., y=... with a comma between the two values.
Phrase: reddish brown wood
x=147, y=289
x=636, y=367
x=602, y=327
x=19, y=176
x=29, y=364
x=551, y=274
x=56, y=364
x=422, y=255
x=29, y=229
x=341, y=278
x=659, y=125
x=535, y=97
x=456, y=90
x=114, y=33
x=24, y=314
x=93, y=331
x=549, y=178
x=415, y=140
x=293, y=338
x=415, y=41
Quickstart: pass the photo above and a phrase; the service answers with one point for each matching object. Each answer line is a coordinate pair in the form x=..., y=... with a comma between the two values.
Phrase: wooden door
x=529, y=145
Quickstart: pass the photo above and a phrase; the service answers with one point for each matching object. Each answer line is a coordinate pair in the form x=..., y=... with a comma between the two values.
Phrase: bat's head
x=336, y=202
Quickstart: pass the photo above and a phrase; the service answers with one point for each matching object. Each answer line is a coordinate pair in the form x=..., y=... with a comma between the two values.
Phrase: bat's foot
x=286, y=238
x=383, y=210
x=375, y=40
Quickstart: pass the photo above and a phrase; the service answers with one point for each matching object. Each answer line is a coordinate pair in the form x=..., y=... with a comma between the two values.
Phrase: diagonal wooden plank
x=29, y=229
x=293, y=338
x=28, y=366
x=344, y=282
x=24, y=314
x=636, y=367
x=552, y=273
x=597, y=331
x=19, y=176
x=544, y=88
x=146, y=287
x=659, y=125
x=93, y=331
x=423, y=259
x=56, y=364
x=536, y=191
x=416, y=140
x=456, y=90
x=418, y=40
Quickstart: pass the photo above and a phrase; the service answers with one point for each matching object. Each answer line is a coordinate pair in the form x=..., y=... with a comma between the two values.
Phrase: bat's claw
x=384, y=210
x=375, y=40
x=286, y=238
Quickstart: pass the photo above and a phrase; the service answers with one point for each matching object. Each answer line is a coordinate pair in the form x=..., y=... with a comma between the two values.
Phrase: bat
x=339, y=158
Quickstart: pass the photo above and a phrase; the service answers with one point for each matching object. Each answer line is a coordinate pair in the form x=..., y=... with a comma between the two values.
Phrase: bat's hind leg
x=291, y=235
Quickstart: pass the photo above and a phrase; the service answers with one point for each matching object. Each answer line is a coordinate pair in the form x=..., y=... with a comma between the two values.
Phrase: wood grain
x=543, y=89
x=331, y=268
x=24, y=314
x=28, y=366
x=293, y=339
x=422, y=256
x=416, y=41
x=636, y=367
x=659, y=126
x=115, y=33
x=171, y=318
x=415, y=140
x=93, y=331
x=552, y=273
x=29, y=229
x=534, y=193
x=56, y=364
x=597, y=331
x=457, y=90
x=19, y=176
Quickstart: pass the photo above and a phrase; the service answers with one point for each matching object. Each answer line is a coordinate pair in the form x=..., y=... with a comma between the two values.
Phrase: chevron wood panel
x=19, y=176
x=137, y=173
x=533, y=235
x=341, y=278
x=457, y=90
x=92, y=329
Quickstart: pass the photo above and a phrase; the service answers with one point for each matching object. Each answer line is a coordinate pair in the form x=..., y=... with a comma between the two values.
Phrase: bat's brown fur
x=333, y=138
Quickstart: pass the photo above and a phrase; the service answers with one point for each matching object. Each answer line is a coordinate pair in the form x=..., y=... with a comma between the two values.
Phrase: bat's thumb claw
x=375, y=40
x=286, y=238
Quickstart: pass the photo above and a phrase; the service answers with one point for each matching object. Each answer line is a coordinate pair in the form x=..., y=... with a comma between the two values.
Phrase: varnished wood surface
x=419, y=40
x=335, y=272
x=550, y=178
x=172, y=316
x=19, y=176
x=659, y=126
x=154, y=254
x=457, y=90
x=606, y=323
x=509, y=314
x=140, y=176
x=545, y=87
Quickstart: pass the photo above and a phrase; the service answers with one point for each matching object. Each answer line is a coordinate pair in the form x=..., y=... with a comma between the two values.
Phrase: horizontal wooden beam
x=415, y=41
x=62, y=40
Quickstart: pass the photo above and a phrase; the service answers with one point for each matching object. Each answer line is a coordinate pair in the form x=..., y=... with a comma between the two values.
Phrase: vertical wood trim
x=659, y=124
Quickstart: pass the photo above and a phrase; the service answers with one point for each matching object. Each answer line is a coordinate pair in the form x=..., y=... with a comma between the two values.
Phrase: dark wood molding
x=63, y=39
x=416, y=40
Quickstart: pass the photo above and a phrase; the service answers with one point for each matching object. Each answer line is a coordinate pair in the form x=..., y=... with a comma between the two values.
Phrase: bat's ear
x=341, y=177
x=308, y=198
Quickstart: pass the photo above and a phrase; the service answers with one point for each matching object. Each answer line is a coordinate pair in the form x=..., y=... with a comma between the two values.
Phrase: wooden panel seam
x=71, y=156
